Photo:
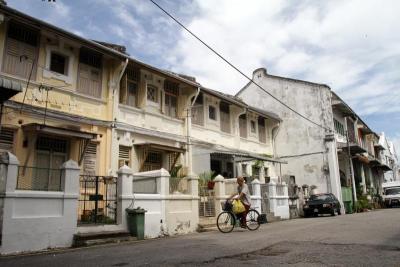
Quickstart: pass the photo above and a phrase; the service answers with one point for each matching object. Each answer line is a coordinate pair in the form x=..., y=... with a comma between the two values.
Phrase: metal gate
x=265, y=198
x=97, y=200
x=207, y=202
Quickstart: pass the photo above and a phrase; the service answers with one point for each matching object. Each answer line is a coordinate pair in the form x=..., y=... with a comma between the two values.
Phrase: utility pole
x=351, y=168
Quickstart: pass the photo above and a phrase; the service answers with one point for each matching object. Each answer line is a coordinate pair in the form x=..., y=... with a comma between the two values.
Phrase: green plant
x=205, y=177
x=362, y=204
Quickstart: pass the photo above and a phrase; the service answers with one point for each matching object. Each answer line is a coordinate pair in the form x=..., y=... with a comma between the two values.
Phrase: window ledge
x=57, y=76
x=143, y=111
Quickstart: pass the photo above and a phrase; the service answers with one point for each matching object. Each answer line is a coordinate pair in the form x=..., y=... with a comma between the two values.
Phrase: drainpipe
x=274, y=135
x=115, y=108
x=188, y=133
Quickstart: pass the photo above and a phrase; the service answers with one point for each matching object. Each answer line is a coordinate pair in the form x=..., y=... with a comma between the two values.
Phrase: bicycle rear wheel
x=226, y=222
x=252, y=220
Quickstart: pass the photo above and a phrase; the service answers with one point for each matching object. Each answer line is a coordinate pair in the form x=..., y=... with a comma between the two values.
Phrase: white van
x=391, y=194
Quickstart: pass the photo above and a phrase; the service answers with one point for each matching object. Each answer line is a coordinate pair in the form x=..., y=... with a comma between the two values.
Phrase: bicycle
x=226, y=220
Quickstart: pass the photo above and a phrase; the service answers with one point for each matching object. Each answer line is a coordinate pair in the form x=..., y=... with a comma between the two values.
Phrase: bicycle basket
x=227, y=206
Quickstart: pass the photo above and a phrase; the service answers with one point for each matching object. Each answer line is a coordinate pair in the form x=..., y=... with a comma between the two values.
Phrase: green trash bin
x=348, y=206
x=136, y=222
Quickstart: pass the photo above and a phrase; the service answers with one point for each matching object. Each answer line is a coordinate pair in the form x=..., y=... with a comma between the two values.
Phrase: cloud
x=345, y=44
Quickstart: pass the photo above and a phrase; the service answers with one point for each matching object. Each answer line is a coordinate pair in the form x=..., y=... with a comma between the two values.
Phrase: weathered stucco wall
x=299, y=142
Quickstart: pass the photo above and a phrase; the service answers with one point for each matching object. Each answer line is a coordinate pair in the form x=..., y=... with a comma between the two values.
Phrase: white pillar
x=272, y=196
x=256, y=197
x=220, y=195
x=125, y=196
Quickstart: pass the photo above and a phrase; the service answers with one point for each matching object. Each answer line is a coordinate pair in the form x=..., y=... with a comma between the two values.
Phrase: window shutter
x=124, y=156
x=6, y=139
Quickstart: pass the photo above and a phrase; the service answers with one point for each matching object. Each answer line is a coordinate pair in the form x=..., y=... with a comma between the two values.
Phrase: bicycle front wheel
x=225, y=222
x=252, y=220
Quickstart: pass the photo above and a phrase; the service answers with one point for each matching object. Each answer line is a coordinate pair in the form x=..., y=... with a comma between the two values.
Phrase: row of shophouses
x=90, y=131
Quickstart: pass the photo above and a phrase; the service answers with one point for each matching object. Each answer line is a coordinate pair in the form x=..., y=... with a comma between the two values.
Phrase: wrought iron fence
x=97, y=200
x=145, y=185
x=178, y=185
x=38, y=179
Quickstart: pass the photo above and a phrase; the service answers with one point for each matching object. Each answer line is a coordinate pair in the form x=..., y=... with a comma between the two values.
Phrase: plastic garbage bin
x=136, y=222
x=348, y=206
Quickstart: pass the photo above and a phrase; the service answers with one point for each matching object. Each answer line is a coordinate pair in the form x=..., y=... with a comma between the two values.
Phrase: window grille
x=51, y=144
x=124, y=156
x=90, y=58
x=339, y=127
x=58, y=63
x=133, y=74
x=23, y=34
x=212, y=113
x=153, y=161
x=171, y=88
x=132, y=94
x=6, y=139
x=243, y=126
x=152, y=93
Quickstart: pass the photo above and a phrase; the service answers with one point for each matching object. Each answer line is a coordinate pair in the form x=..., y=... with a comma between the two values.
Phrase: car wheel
x=333, y=213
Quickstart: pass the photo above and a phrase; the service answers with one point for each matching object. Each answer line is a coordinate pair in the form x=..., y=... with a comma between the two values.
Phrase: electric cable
x=237, y=69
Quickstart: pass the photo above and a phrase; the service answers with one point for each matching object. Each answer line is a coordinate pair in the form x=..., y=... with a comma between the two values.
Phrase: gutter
x=188, y=132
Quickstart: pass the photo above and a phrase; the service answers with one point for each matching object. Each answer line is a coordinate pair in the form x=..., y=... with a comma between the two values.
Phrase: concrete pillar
x=363, y=184
x=70, y=177
x=125, y=196
x=272, y=196
x=193, y=185
x=256, y=196
x=334, y=173
x=9, y=172
x=262, y=174
x=219, y=189
x=163, y=182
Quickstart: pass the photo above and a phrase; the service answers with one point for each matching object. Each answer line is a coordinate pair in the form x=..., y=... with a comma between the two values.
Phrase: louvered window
x=6, y=139
x=225, y=120
x=124, y=156
x=21, y=51
x=90, y=159
x=243, y=126
x=89, y=76
x=261, y=130
x=171, y=98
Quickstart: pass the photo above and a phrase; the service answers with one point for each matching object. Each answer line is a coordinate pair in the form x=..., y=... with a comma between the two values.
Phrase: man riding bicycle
x=243, y=194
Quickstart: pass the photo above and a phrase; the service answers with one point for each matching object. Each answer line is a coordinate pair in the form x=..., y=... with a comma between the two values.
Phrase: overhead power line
x=237, y=69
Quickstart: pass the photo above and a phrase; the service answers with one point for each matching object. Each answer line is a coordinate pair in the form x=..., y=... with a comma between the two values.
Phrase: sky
x=350, y=45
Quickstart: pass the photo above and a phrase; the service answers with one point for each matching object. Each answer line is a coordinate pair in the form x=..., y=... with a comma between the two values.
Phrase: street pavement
x=364, y=239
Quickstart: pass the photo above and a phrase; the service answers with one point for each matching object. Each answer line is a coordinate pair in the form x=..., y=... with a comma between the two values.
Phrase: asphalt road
x=365, y=239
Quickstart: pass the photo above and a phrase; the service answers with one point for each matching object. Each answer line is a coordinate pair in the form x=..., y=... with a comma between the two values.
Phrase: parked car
x=322, y=204
x=391, y=194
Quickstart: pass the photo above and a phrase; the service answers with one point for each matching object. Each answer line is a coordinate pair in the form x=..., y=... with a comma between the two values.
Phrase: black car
x=322, y=204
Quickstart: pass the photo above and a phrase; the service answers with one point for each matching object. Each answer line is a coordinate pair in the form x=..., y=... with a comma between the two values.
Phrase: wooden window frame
x=66, y=62
x=212, y=113
x=171, y=91
x=155, y=95
x=22, y=45
x=93, y=63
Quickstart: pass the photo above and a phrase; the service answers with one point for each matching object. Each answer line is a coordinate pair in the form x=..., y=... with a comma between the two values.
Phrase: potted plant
x=206, y=179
